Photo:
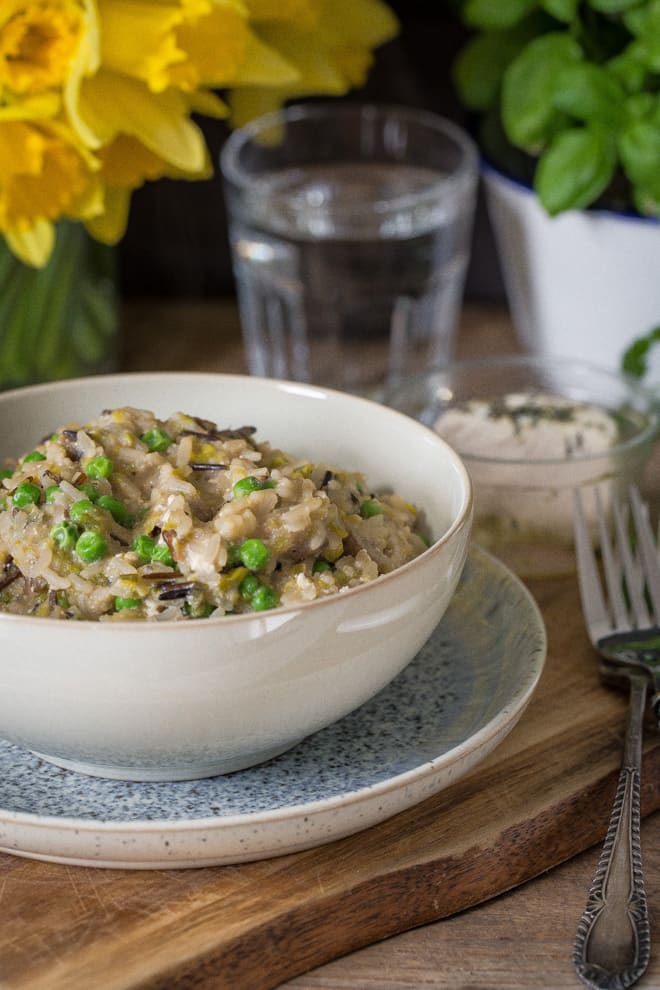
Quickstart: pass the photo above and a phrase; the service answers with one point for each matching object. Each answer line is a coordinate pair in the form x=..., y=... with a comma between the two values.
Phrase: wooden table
x=540, y=799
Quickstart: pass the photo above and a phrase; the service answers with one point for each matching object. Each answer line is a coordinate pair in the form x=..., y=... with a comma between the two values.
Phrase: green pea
x=51, y=492
x=6, y=473
x=264, y=598
x=91, y=546
x=26, y=494
x=320, y=565
x=143, y=546
x=370, y=507
x=161, y=554
x=90, y=490
x=156, y=440
x=36, y=455
x=84, y=511
x=245, y=486
x=249, y=585
x=117, y=509
x=65, y=535
x=99, y=467
x=124, y=603
x=254, y=554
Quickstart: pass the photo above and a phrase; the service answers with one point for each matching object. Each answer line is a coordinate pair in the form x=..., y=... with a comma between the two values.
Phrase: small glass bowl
x=524, y=499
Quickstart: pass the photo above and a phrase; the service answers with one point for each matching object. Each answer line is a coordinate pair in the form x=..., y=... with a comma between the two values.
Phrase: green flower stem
x=60, y=321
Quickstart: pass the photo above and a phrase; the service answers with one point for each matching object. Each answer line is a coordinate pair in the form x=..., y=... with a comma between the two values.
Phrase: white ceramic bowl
x=179, y=700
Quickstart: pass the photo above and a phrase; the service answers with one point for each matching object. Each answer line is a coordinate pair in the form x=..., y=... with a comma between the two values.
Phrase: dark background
x=176, y=243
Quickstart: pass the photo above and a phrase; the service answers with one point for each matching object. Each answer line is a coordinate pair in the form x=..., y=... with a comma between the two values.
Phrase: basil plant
x=568, y=94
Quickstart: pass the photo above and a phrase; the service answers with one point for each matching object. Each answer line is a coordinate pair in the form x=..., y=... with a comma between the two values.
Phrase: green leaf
x=639, y=150
x=646, y=199
x=577, y=167
x=644, y=23
x=629, y=67
x=635, y=358
x=479, y=68
x=639, y=105
x=530, y=86
x=589, y=92
x=613, y=6
x=635, y=20
x=562, y=10
x=494, y=15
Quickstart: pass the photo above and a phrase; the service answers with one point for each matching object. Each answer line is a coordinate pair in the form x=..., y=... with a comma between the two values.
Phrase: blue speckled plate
x=449, y=708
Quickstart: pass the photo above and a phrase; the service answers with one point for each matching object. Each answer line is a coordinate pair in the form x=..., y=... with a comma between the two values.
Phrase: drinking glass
x=350, y=229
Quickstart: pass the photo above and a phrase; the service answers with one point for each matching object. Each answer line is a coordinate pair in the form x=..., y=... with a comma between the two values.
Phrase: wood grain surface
x=521, y=940
x=540, y=799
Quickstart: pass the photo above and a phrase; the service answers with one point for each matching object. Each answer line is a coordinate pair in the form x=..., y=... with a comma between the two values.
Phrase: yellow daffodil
x=186, y=44
x=329, y=45
x=43, y=176
x=97, y=96
x=38, y=43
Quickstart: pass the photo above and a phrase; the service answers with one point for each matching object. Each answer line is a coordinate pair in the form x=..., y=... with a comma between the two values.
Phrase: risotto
x=134, y=517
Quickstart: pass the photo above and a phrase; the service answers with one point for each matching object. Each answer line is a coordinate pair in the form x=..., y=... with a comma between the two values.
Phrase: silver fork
x=612, y=945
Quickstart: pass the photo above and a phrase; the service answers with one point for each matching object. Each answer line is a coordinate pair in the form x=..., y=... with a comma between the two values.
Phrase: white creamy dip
x=526, y=453
x=528, y=426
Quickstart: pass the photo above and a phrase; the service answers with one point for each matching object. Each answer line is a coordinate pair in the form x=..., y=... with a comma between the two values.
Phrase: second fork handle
x=613, y=944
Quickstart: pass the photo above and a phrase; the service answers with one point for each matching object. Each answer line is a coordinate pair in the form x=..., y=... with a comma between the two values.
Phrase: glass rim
x=466, y=172
x=647, y=434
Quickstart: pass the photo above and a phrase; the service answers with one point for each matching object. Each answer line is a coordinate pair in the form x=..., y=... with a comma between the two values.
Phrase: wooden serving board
x=541, y=797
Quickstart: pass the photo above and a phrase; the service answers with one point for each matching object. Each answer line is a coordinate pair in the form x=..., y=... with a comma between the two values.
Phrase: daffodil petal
x=113, y=104
x=139, y=39
x=263, y=65
x=127, y=163
x=21, y=149
x=303, y=13
x=208, y=104
x=86, y=63
x=34, y=245
x=309, y=56
x=42, y=175
x=214, y=46
x=41, y=107
x=330, y=59
x=247, y=103
x=110, y=226
x=363, y=23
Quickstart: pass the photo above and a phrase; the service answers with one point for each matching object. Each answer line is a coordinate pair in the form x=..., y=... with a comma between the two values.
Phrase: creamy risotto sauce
x=132, y=517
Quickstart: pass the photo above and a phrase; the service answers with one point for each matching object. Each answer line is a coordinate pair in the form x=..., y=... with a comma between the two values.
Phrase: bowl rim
x=461, y=519
x=646, y=435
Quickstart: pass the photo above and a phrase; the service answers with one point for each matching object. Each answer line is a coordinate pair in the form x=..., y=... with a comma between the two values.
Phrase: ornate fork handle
x=613, y=944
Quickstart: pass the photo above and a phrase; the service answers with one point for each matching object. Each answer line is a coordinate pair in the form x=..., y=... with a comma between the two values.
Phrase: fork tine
x=631, y=567
x=593, y=604
x=613, y=564
x=647, y=550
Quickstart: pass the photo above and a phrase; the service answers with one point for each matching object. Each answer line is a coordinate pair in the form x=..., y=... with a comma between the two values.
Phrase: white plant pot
x=584, y=284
